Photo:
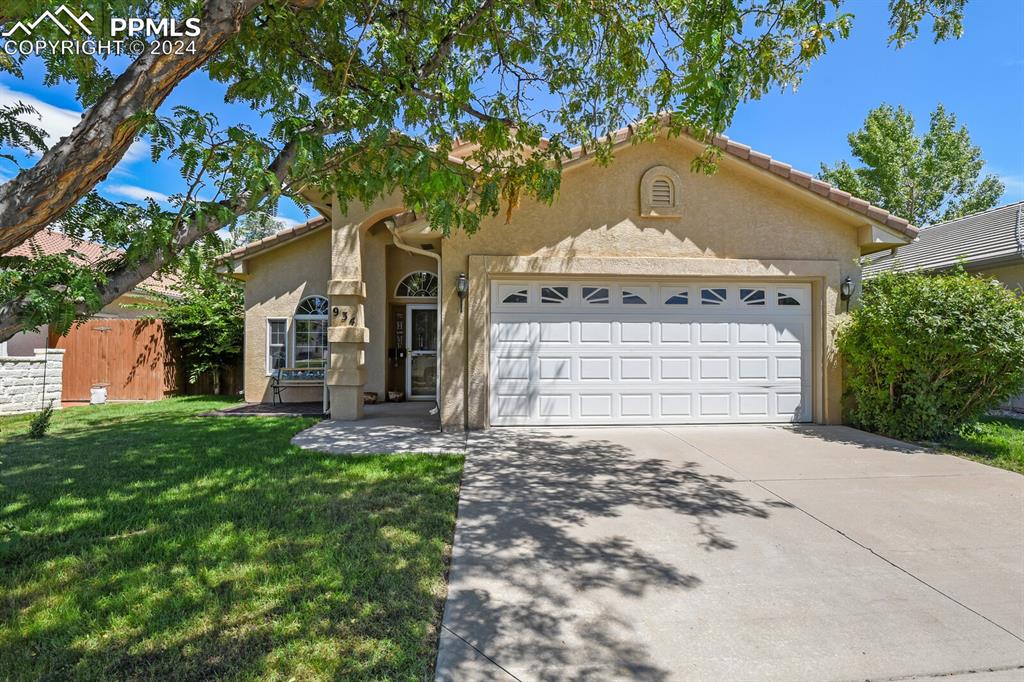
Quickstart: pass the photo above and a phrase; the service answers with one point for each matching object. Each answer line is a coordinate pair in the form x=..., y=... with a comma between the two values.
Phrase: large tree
x=926, y=178
x=366, y=98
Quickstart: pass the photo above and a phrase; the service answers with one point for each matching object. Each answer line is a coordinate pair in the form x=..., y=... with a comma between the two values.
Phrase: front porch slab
x=387, y=428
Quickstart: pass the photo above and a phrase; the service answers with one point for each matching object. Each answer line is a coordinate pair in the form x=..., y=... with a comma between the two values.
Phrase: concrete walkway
x=731, y=553
x=385, y=428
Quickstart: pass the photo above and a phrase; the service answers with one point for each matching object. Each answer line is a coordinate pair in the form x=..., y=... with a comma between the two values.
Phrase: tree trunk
x=123, y=279
x=70, y=169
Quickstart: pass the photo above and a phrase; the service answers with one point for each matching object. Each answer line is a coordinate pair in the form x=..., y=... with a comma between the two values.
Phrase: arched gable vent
x=659, y=193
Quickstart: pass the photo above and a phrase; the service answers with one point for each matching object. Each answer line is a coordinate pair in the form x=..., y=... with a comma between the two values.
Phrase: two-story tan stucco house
x=646, y=294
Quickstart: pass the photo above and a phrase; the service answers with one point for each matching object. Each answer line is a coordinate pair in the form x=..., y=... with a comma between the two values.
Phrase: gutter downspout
x=389, y=223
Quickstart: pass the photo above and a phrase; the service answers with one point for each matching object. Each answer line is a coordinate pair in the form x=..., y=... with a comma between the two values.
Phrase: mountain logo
x=68, y=15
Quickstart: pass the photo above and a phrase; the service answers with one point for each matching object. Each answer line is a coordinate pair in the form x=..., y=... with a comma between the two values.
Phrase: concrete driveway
x=731, y=553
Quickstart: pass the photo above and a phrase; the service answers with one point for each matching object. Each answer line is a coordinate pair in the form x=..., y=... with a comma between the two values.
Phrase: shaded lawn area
x=152, y=543
x=997, y=441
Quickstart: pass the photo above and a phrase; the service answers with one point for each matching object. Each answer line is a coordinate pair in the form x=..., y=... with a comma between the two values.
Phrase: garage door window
x=515, y=295
x=680, y=297
x=752, y=296
x=634, y=296
x=595, y=295
x=554, y=294
x=786, y=299
x=712, y=296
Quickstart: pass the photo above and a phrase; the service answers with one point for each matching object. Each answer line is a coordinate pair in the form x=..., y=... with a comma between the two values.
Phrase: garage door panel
x=554, y=332
x=649, y=353
x=596, y=332
x=675, y=404
x=555, y=369
x=675, y=332
x=636, y=368
x=752, y=368
x=636, y=405
x=595, y=406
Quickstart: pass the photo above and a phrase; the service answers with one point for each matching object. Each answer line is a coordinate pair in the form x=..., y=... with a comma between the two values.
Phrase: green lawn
x=999, y=441
x=153, y=543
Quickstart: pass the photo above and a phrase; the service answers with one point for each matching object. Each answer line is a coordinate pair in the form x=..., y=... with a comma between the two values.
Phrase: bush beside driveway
x=152, y=543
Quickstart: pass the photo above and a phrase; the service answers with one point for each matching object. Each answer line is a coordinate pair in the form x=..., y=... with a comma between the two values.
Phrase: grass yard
x=152, y=543
x=998, y=441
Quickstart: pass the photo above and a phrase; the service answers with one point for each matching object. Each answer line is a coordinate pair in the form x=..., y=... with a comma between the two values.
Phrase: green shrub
x=926, y=354
x=40, y=423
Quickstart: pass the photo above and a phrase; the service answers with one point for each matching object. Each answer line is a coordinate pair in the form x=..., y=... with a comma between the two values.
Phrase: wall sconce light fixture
x=846, y=289
x=462, y=288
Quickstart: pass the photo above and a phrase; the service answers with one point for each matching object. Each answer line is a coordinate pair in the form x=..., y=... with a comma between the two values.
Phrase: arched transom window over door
x=311, y=332
x=417, y=285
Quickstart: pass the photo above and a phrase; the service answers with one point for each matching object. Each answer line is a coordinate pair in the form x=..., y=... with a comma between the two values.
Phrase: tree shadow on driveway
x=535, y=580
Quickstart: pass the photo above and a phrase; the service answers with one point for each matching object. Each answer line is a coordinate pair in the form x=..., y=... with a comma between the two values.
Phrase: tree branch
x=70, y=169
x=125, y=277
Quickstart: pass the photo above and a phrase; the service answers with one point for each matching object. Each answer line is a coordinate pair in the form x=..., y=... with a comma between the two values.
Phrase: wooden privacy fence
x=133, y=359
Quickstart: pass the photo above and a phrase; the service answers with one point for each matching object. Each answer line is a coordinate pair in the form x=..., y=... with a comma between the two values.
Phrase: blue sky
x=980, y=78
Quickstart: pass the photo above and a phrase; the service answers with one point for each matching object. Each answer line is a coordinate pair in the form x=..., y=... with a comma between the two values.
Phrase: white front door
x=670, y=352
x=421, y=351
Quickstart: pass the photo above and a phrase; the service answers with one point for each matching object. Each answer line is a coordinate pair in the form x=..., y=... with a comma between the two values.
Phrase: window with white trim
x=554, y=294
x=713, y=296
x=634, y=296
x=417, y=285
x=277, y=344
x=516, y=295
x=752, y=296
x=677, y=297
x=310, y=333
x=595, y=295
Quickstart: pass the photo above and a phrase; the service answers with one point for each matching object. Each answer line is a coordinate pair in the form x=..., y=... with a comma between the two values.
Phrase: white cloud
x=137, y=193
x=57, y=121
x=1014, y=187
x=287, y=222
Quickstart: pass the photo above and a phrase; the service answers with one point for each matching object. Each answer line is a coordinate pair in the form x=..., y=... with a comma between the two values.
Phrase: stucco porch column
x=347, y=333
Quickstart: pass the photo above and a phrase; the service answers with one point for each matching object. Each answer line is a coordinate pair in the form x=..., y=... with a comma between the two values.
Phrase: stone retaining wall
x=22, y=380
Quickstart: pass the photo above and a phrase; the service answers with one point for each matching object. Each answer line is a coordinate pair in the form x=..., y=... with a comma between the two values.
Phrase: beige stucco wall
x=402, y=263
x=739, y=222
x=1012, y=276
x=278, y=280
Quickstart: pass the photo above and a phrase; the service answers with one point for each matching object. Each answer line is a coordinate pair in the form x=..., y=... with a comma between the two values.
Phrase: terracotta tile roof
x=783, y=170
x=276, y=239
x=462, y=149
x=48, y=242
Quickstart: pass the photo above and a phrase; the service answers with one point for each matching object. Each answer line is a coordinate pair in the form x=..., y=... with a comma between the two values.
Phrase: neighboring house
x=645, y=294
x=989, y=243
x=114, y=348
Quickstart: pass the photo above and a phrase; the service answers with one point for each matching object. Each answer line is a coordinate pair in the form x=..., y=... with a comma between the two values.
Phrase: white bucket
x=97, y=395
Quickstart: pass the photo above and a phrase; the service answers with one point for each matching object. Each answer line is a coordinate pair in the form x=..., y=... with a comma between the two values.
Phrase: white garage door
x=649, y=353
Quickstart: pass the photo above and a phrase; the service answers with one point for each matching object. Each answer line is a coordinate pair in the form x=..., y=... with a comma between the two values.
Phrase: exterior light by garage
x=846, y=288
x=462, y=288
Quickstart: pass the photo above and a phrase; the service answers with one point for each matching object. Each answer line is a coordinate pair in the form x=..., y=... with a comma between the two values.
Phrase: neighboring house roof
x=990, y=237
x=275, y=240
x=48, y=242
